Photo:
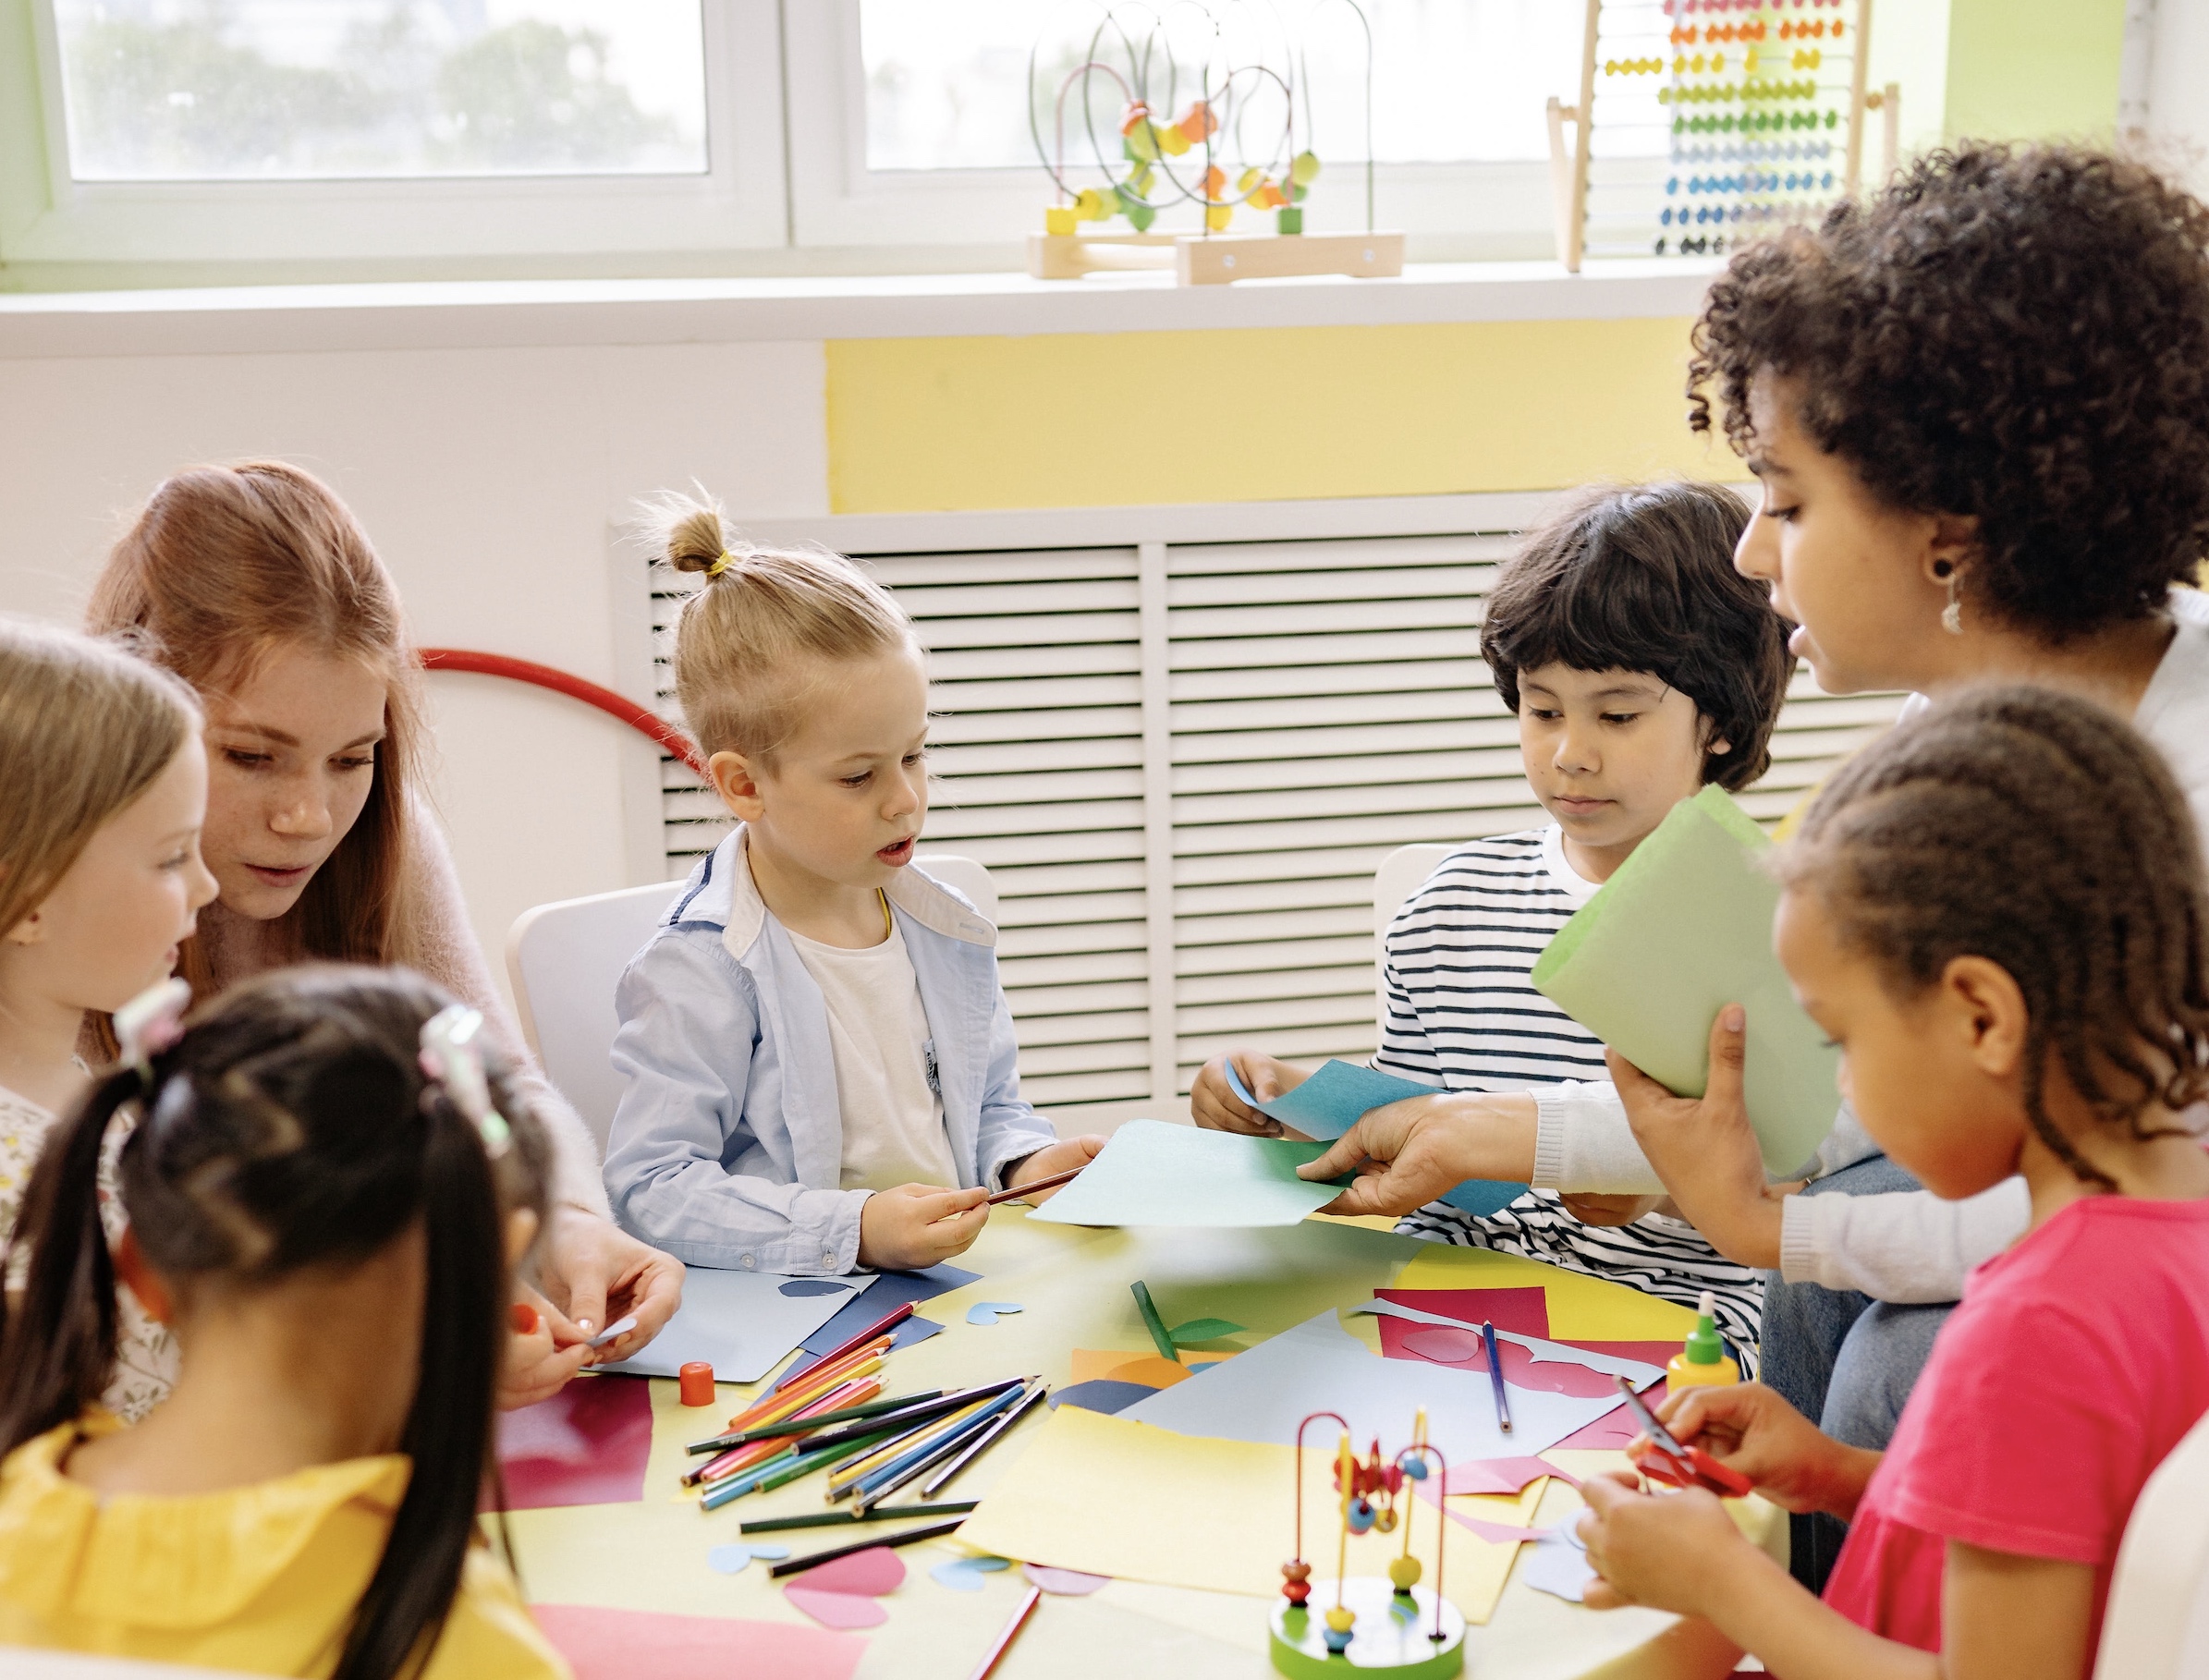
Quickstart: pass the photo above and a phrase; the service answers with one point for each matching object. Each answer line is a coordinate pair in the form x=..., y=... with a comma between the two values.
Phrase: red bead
x=1295, y=1592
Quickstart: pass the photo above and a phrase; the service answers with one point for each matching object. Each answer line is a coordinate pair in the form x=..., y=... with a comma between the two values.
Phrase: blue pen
x=1495, y=1376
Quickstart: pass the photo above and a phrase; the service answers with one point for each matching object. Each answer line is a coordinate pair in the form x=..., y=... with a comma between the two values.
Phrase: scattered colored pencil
x=721, y=1443
x=921, y=1412
x=815, y=1560
x=884, y=1479
x=770, y=1446
x=1004, y=1641
x=988, y=1439
x=882, y=1326
x=844, y=1481
x=844, y=1519
x=1051, y=1183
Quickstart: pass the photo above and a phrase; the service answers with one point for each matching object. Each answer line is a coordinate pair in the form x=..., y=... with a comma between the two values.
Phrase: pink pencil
x=1004, y=1639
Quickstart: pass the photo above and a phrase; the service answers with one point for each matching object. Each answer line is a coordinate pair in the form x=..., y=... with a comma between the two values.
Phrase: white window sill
x=415, y=315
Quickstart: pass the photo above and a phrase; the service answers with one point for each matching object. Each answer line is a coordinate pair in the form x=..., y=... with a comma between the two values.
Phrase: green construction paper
x=1159, y=1337
x=1201, y=1330
x=1682, y=929
x=1152, y=1172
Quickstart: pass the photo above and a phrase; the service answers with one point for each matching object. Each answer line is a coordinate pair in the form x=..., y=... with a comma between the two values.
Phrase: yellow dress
x=258, y=1579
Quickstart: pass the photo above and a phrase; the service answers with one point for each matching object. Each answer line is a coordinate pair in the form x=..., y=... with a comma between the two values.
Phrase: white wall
x=490, y=480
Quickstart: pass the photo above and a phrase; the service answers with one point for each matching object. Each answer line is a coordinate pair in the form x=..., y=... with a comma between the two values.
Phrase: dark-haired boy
x=1642, y=667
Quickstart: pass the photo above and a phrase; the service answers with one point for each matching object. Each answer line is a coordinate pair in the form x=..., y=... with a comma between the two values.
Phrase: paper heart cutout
x=964, y=1574
x=814, y=1286
x=731, y=1560
x=869, y=1574
x=1445, y=1344
x=1100, y=1394
x=988, y=1312
x=1068, y=1583
x=839, y=1610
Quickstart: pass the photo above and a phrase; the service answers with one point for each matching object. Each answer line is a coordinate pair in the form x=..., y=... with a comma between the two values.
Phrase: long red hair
x=225, y=563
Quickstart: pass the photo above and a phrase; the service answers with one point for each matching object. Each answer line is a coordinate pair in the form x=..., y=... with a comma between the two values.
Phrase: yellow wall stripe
x=1118, y=419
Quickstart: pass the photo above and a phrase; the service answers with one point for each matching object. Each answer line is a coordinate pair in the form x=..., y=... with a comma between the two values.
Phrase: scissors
x=1681, y=1466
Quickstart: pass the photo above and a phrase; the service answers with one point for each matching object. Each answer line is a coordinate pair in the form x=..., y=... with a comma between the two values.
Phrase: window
x=374, y=137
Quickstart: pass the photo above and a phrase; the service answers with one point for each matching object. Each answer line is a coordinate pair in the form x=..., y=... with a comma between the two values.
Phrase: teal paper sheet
x=1331, y=1100
x=1680, y=930
x=1152, y=1172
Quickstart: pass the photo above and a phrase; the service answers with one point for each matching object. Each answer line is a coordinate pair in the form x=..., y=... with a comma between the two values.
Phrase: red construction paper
x=1522, y=1312
x=618, y=1644
x=1462, y=1350
x=840, y=1610
x=587, y=1446
x=871, y=1573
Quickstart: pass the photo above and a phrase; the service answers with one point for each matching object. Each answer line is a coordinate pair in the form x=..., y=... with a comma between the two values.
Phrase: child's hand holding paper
x=1706, y=1150
x=1405, y=1155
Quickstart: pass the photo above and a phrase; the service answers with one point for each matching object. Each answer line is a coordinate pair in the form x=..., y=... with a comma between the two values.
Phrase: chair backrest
x=564, y=959
x=1401, y=874
x=2156, y=1627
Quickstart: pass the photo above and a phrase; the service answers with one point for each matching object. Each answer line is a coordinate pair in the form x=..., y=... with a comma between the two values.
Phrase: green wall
x=2030, y=69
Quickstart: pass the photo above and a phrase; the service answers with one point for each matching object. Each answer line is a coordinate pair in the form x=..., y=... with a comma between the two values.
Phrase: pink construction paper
x=1500, y=1534
x=1068, y=1583
x=840, y=1610
x=617, y=1644
x=1463, y=1350
x=1614, y=1430
x=1522, y=1312
x=1505, y=1476
x=587, y=1446
x=871, y=1573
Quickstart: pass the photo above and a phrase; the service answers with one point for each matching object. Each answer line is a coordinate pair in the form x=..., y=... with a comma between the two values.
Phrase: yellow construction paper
x=1114, y=1497
x=1581, y=1308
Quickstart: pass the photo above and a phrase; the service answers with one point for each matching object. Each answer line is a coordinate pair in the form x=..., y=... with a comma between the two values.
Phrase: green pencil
x=833, y=1519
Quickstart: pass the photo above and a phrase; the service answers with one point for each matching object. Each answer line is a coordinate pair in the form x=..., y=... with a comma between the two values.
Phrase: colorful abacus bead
x=1297, y=1586
x=1340, y=1622
x=1405, y=1573
x=1359, y=1517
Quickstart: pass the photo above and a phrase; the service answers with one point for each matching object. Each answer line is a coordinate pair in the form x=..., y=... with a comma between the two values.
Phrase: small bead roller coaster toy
x=1712, y=122
x=1227, y=127
x=1330, y=1627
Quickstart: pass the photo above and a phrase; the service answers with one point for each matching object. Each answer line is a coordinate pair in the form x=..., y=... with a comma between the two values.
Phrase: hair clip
x=720, y=565
x=450, y=1058
x=150, y=1023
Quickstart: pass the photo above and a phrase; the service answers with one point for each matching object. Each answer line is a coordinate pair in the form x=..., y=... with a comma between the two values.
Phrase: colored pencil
x=1051, y=1183
x=882, y=1326
x=826, y=1374
x=843, y=1481
x=1496, y=1378
x=985, y=1427
x=786, y=1467
x=844, y=1519
x=873, y=1409
x=815, y=1560
x=921, y=1412
x=739, y=1459
x=989, y=1439
x=884, y=1479
x=1004, y=1641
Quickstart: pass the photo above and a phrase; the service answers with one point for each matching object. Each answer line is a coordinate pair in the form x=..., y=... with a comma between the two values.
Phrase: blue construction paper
x=740, y=1322
x=1334, y=1098
x=732, y=1559
x=964, y=1574
x=891, y=1290
x=1102, y=1395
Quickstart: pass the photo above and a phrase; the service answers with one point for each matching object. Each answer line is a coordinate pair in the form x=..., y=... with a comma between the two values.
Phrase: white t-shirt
x=878, y=1037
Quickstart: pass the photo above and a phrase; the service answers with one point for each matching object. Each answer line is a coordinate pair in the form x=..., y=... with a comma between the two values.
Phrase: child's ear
x=1986, y=1003
x=134, y=1268
x=30, y=930
x=1952, y=543
x=735, y=779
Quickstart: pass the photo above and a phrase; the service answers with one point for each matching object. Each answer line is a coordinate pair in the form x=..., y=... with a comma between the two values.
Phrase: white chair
x=1401, y=875
x=564, y=959
x=2156, y=1627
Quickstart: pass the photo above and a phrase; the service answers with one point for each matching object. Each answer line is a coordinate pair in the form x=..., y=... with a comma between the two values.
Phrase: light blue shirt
x=728, y=1147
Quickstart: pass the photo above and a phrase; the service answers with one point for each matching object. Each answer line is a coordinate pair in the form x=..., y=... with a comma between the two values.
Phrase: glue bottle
x=1702, y=1362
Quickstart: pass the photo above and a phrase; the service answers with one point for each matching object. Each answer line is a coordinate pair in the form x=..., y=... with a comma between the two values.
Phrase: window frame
x=49, y=217
x=1451, y=210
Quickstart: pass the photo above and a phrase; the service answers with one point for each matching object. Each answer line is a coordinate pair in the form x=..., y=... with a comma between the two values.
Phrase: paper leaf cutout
x=1202, y=1329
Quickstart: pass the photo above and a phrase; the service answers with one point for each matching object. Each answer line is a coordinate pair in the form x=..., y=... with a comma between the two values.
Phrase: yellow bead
x=1248, y=179
x=1092, y=206
x=1143, y=141
x=1341, y=1619
x=1171, y=141
x=1218, y=217
x=1305, y=169
x=1405, y=1572
x=1061, y=219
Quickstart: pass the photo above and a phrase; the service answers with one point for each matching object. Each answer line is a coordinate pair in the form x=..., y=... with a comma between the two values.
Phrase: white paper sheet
x=1263, y=1392
x=742, y=1323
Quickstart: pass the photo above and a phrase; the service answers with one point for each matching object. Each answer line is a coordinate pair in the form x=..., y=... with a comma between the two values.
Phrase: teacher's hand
x=1411, y=1152
x=598, y=1275
x=1706, y=1150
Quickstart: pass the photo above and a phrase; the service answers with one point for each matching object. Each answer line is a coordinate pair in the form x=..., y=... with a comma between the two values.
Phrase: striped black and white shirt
x=1463, y=1014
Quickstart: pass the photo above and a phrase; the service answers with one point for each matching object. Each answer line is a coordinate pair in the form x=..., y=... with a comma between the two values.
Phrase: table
x=1072, y=1285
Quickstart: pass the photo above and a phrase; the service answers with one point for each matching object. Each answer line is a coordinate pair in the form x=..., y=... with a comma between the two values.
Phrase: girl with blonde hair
x=103, y=786
x=819, y=1054
x=256, y=585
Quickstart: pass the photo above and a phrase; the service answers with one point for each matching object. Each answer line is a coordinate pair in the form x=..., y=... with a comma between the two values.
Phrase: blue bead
x=1416, y=1468
x=1337, y=1642
x=1362, y=1515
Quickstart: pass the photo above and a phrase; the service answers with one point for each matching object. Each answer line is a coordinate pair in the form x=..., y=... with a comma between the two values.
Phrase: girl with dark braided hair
x=327, y=1191
x=1999, y=914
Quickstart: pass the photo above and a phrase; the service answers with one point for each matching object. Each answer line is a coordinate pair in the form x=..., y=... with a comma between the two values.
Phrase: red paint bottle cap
x=696, y=1381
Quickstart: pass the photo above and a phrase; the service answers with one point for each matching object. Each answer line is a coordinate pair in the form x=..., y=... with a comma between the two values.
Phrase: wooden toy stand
x=1217, y=259
x=1754, y=105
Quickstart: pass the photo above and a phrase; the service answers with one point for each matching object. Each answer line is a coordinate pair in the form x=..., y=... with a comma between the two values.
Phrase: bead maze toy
x=1703, y=122
x=1224, y=125
x=1330, y=1627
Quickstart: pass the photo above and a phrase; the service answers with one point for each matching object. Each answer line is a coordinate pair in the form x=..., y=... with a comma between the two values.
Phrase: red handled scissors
x=1681, y=1466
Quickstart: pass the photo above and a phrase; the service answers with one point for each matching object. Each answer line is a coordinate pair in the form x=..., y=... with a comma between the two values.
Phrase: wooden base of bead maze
x=1394, y=1634
x=1218, y=260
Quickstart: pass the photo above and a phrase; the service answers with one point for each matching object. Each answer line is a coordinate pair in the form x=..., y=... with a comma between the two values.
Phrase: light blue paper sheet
x=1263, y=1393
x=1153, y=1173
x=742, y=1323
x=1334, y=1098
